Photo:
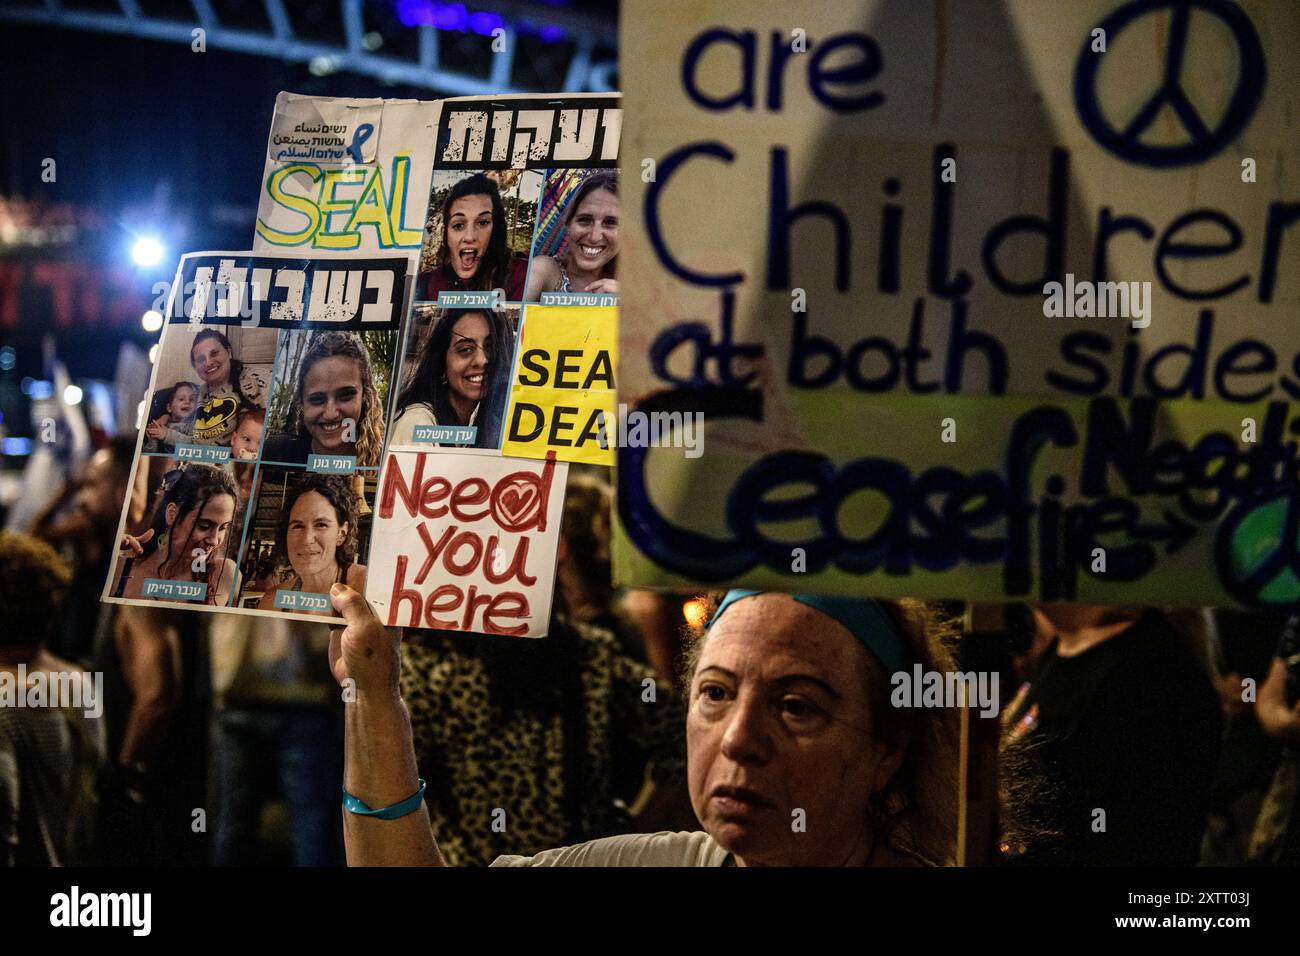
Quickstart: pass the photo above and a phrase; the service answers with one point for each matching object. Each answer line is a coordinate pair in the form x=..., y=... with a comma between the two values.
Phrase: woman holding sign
x=795, y=753
x=227, y=386
x=187, y=538
x=460, y=378
x=588, y=260
x=317, y=537
x=337, y=406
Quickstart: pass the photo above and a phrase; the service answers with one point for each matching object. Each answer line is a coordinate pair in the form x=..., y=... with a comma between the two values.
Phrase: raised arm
x=379, y=758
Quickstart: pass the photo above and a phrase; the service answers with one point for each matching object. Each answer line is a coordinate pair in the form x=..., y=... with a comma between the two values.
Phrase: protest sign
x=869, y=216
x=263, y=428
x=563, y=398
x=466, y=542
x=346, y=175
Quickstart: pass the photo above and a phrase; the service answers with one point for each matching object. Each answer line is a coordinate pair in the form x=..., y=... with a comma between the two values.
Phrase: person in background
x=276, y=711
x=81, y=523
x=1276, y=839
x=1125, y=721
x=50, y=757
x=1243, y=646
x=156, y=690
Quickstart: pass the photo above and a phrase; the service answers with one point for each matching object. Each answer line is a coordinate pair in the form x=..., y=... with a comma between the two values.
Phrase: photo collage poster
x=263, y=430
x=366, y=182
x=523, y=215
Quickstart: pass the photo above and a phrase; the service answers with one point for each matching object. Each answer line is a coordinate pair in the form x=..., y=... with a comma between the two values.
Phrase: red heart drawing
x=518, y=503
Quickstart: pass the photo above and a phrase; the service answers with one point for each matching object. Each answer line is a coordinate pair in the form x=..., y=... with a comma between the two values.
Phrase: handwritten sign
x=898, y=205
x=466, y=541
x=563, y=399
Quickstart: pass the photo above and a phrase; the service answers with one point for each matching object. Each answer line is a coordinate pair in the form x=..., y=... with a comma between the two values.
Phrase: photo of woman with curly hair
x=336, y=408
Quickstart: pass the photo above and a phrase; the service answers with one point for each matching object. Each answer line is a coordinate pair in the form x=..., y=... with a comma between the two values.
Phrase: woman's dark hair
x=494, y=268
x=426, y=383
x=337, y=490
x=236, y=366
x=33, y=583
x=606, y=179
x=189, y=487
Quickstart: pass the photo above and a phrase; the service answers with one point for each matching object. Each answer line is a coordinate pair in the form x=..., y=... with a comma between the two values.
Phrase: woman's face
x=468, y=355
x=204, y=529
x=331, y=397
x=469, y=229
x=211, y=360
x=593, y=231
x=314, y=535
x=778, y=722
x=183, y=403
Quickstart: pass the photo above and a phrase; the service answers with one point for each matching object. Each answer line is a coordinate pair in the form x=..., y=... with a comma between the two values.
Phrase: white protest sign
x=862, y=233
x=466, y=541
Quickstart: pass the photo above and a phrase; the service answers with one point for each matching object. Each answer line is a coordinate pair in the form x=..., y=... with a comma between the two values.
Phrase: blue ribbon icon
x=360, y=136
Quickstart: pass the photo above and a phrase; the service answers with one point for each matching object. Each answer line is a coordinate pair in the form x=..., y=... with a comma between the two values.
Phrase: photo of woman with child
x=317, y=538
x=458, y=376
x=336, y=409
x=228, y=386
x=588, y=253
x=473, y=255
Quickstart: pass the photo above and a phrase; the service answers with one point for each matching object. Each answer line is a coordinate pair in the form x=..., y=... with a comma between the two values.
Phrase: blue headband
x=865, y=619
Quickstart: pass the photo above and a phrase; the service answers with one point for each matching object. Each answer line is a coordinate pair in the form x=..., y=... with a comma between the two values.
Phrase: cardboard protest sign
x=264, y=424
x=866, y=216
x=523, y=206
x=563, y=398
x=346, y=175
x=456, y=185
x=466, y=542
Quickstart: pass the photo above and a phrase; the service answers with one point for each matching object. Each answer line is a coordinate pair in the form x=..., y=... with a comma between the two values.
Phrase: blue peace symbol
x=1203, y=141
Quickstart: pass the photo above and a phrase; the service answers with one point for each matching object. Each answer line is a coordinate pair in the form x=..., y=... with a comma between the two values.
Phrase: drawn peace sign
x=1203, y=141
x=1258, y=550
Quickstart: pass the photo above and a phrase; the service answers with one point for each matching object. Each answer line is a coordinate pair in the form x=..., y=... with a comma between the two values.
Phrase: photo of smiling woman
x=588, y=253
x=333, y=407
x=190, y=527
x=458, y=375
x=227, y=384
x=472, y=253
x=317, y=538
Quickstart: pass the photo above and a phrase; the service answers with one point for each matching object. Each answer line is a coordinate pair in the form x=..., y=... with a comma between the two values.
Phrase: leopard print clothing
x=537, y=729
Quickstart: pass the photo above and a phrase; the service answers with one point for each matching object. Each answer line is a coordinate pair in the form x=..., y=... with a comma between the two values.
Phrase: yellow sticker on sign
x=563, y=397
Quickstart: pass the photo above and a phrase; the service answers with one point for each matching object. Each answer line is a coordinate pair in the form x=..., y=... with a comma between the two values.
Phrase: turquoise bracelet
x=396, y=811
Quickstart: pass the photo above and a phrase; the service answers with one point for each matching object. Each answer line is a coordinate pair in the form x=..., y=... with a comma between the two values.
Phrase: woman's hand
x=609, y=286
x=132, y=546
x=365, y=652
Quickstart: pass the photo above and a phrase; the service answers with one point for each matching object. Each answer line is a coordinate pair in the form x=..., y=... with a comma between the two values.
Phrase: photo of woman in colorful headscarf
x=336, y=408
x=317, y=539
x=227, y=385
x=588, y=254
x=187, y=538
x=458, y=376
x=472, y=254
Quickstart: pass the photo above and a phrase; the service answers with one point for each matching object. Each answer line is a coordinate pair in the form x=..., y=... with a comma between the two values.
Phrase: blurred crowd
x=220, y=736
